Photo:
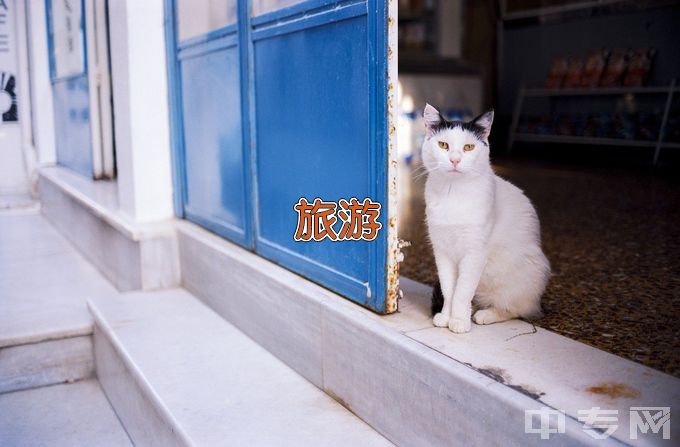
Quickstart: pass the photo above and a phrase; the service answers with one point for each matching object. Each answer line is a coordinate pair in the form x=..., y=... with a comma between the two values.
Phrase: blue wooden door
x=68, y=73
x=208, y=129
x=285, y=100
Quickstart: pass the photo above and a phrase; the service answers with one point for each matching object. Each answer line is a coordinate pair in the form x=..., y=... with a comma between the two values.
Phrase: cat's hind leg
x=491, y=315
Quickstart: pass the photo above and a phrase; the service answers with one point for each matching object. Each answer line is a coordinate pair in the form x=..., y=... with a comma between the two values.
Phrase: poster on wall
x=8, y=64
x=67, y=38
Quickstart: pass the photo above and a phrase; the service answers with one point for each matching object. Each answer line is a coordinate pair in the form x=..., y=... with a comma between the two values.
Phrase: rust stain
x=393, y=271
x=340, y=400
x=393, y=250
x=614, y=390
x=501, y=375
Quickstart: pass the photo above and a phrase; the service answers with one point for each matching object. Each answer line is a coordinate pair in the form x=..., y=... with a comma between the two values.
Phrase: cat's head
x=456, y=148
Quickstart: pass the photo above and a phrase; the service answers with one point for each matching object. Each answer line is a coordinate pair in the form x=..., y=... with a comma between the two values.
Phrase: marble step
x=68, y=415
x=45, y=328
x=45, y=363
x=178, y=374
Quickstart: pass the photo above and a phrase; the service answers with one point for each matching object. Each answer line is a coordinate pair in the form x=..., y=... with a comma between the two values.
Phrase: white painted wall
x=140, y=98
x=13, y=172
x=446, y=91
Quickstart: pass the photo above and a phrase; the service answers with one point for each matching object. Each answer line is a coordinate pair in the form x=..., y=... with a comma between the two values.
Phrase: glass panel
x=67, y=35
x=262, y=6
x=196, y=17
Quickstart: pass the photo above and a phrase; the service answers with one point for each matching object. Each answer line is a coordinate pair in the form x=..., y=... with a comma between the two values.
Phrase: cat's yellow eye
x=468, y=147
x=444, y=145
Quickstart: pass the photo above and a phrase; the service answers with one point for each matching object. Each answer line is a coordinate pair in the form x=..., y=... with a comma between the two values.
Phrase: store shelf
x=600, y=91
x=537, y=138
x=420, y=62
x=555, y=9
x=525, y=93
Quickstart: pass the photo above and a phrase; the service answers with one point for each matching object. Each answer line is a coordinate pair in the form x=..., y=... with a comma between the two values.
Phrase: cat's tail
x=437, y=298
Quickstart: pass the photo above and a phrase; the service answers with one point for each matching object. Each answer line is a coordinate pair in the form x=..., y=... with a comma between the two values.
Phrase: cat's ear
x=432, y=118
x=484, y=121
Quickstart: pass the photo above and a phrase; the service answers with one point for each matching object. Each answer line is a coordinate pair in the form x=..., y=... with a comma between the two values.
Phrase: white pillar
x=140, y=101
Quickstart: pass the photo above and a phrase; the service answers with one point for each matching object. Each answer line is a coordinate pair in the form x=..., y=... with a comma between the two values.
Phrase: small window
x=264, y=6
x=67, y=37
x=197, y=17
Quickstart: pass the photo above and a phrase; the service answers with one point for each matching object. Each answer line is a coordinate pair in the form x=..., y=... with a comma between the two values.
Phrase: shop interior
x=587, y=123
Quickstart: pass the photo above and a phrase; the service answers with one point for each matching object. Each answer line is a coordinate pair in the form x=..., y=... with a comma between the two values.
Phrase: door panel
x=70, y=86
x=290, y=102
x=72, y=124
x=312, y=109
x=215, y=190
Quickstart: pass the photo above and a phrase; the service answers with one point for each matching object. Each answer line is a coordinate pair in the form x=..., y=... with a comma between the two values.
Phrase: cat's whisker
x=421, y=175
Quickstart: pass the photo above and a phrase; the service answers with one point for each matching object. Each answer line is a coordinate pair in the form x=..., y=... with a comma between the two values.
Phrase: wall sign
x=8, y=64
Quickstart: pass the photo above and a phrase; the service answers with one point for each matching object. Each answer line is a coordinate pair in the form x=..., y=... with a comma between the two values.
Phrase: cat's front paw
x=440, y=320
x=460, y=325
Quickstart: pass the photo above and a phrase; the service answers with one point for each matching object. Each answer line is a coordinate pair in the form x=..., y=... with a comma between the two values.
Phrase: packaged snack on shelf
x=544, y=126
x=639, y=66
x=574, y=71
x=558, y=70
x=616, y=66
x=622, y=126
x=647, y=126
x=562, y=125
x=578, y=123
x=591, y=125
x=604, y=124
x=594, y=67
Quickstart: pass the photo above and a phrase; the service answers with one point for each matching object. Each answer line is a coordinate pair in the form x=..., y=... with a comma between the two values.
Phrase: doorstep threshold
x=414, y=383
x=562, y=373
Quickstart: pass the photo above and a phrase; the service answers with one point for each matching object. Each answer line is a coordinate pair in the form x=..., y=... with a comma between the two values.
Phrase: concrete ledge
x=132, y=256
x=47, y=363
x=130, y=398
x=409, y=392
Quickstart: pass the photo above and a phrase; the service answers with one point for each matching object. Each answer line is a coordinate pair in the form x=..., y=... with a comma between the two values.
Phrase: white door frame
x=99, y=80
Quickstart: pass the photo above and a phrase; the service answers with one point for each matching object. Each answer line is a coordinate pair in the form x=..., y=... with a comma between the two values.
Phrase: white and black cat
x=484, y=230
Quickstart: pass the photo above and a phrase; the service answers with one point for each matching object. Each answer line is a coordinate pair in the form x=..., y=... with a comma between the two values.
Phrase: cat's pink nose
x=455, y=162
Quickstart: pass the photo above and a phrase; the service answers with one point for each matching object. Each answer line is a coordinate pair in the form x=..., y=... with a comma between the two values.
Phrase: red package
x=594, y=67
x=574, y=71
x=618, y=61
x=558, y=70
x=639, y=66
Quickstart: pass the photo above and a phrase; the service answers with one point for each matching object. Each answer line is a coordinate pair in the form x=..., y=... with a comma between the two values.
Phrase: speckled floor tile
x=613, y=239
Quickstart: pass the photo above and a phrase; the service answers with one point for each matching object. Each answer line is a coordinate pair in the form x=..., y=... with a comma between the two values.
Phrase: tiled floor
x=613, y=240
x=68, y=415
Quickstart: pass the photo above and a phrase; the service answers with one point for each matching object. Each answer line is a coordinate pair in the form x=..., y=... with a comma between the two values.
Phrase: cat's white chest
x=459, y=217
x=457, y=206
x=453, y=212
